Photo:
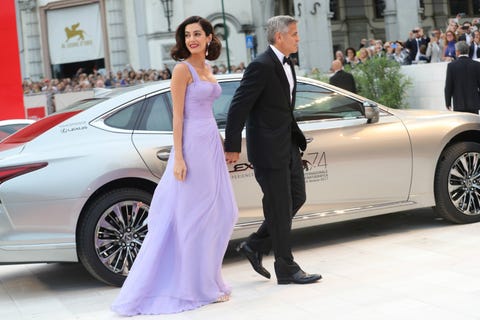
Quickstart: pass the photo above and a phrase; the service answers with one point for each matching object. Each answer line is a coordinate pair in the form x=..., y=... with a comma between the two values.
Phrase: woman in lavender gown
x=193, y=209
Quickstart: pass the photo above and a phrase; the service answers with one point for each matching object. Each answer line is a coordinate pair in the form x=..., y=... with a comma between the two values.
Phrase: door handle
x=163, y=154
x=309, y=139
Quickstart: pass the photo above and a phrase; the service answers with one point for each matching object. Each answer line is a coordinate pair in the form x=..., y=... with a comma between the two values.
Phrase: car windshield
x=101, y=96
x=11, y=128
x=83, y=104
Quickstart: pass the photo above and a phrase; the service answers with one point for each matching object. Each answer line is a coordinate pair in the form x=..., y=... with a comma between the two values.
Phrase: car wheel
x=457, y=183
x=111, y=232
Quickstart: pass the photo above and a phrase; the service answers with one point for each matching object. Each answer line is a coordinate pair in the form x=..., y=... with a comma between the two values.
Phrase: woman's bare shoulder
x=181, y=71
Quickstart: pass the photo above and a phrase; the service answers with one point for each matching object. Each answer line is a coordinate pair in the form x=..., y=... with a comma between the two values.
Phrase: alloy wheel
x=464, y=183
x=119, y=235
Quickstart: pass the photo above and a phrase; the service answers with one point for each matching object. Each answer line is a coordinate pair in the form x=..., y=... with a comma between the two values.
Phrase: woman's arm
x=180, y=79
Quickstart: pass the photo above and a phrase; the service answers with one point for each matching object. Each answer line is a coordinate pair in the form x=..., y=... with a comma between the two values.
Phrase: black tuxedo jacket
x=411, y=45
x=471, y=53
x=262, y=101
x=343, y=80
x=463, y=85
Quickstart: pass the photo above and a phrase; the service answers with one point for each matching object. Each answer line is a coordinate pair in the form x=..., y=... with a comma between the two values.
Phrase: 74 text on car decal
x=315, y=166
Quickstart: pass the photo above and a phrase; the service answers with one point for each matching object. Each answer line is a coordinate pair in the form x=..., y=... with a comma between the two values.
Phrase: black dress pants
x=283, y=195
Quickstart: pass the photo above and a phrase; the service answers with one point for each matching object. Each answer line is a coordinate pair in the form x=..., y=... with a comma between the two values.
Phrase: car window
x=11, y=128
x=222, y=104
x=317, y=103
x=126, y=117
x=157, y=115
x=84, y=104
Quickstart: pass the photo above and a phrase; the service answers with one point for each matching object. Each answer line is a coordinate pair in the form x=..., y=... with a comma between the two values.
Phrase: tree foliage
x=381, y=80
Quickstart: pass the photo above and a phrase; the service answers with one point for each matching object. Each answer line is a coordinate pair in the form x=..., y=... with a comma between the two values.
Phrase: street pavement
x=409, y=265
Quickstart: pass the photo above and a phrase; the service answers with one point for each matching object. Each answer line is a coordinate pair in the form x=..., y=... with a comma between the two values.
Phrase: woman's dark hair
x=180, y=50
x=350, y=49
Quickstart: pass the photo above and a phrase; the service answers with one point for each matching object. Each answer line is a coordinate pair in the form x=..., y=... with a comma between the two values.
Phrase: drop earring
x=208, y=45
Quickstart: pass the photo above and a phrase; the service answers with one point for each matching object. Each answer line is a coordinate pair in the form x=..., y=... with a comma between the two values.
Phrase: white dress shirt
x=417, y=56
x=468, y=38
x=286, y=67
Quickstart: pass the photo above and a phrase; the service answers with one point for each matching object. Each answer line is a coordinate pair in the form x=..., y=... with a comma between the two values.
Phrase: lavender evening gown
x=190, y=223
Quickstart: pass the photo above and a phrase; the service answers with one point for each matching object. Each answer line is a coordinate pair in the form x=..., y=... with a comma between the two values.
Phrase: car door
x=152, y=136
x=247, y=191
x=350, y=164
x=153, y=140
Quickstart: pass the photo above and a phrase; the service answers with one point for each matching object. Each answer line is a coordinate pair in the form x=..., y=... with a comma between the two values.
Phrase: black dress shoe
x=254, y=257
x=299, y=277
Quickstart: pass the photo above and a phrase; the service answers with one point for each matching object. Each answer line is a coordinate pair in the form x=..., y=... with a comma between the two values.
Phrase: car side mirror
x=372, y=111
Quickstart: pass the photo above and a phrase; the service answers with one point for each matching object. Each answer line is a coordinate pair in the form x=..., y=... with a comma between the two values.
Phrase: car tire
x=457, y=189
x=111, y=232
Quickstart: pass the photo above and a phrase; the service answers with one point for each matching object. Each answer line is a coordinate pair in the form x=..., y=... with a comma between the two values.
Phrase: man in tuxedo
x=341, y=78
x=264, y=101
x=413, y=44
x=466, y=32
x=463, y=81
x=474, y=51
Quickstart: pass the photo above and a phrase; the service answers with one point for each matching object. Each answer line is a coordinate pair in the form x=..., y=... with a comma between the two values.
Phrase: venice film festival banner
x=75, y=34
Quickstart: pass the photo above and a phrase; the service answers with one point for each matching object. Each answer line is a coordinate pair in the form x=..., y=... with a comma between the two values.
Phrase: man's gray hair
x=462, y=47
x=278, y=24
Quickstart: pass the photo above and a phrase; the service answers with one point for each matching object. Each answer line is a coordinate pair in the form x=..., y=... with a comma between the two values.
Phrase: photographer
x=435, y=47
x=415, y=40
x=400, y=54
x=464, y=33
x=449, y=46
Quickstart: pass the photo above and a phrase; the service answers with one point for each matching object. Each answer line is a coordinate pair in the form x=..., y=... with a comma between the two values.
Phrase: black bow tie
x=287, y=60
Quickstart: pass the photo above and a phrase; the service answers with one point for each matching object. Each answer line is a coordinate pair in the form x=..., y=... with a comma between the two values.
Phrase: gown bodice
x=200, y=96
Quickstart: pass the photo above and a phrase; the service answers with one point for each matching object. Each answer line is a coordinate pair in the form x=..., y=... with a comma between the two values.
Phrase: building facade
x=56, y=38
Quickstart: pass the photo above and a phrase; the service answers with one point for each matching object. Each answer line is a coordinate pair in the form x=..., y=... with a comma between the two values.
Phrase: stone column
x=141, y=28
x=440, y=13
x=315, y=50
x=116, y=35
x=401, y=19
x=262, y=10
x=32, y=49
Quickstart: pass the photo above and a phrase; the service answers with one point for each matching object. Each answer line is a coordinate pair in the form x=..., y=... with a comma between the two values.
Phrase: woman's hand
x=180, y=169
x=232, y=157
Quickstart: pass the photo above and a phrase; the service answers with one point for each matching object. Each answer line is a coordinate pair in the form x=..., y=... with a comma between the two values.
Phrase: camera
x=393, y=46
x=415, y=31
x=465, y=27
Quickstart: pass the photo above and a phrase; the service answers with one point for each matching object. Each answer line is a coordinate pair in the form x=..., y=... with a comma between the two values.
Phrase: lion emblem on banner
x=74, y=32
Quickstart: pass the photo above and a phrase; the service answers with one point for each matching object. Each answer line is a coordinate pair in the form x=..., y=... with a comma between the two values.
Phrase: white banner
x=75, y=34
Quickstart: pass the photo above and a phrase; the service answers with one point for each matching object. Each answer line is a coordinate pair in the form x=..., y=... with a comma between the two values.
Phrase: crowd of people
x=420, y=47
x=82, y=80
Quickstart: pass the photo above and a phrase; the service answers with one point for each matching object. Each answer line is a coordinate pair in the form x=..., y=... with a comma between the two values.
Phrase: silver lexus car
x=76, y=186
